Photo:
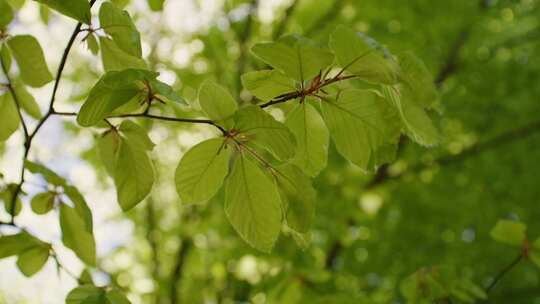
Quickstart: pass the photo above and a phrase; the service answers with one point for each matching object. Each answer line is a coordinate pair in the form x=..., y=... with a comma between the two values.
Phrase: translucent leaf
x=509, y=232
x=9, y=117
x=360, y=58
x=133, y=172
x=7, y=196
x=43, y=202
x=116, y=297
x=216, y=101
x=113, y=90
x=417, y=123
x=416, y=75
x=32, y=260
x=115, y=59
x=30, y=59
x=156, y=5
x=49, y=175
x=76, y=9
x=76, y=235
x=17, y=243
x=256, y=127
x=356, y=124
x=5, y=57
x=202, y=170
x=165, y=93
x=298, y=58
x=118, y=24
x=312, y=138
x=92, y=44
x=81, y=207
x=84, y=293
x=85, y=278
x=28, y=102
x=267, y=84
x=6, y=14
x=108, y=145
x=298, y=196
x=252, y=205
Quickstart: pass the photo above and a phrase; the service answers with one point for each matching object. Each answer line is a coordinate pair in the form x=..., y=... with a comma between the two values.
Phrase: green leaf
x=81, y=207
x=267, y=84
x=118, y=24
x=17, y=243
x=92, y=44
x=416, y=75
x=356, y=124
x=30, y=59
x=76, y=9
x=116, y=297
x=49, y=175
x=252, y=205
x=133, y=172
x=9, y=117
x=417, y=123
x=360, y=58
x=6, y=14
x=312, y=138
x=297, y=58
x=165, y=93
x=85, y=278
x=5, y=57
x=156, y=5
x=201, y=171
x=259, y=128
x=7, y=196
x=81, y=294
x=27, y=101
x=115, y=59
x=216, y=101
x=32, y=260
x=108, y=145
x=113, y=90
x=509, y=232
x=76, y=235
x=298, y=197
x=43, y=202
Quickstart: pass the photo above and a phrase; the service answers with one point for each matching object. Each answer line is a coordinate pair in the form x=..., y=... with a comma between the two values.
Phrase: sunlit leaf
x=202, y=170
x=252, y=205
x=509, y=232
x=361, y=59
x=43, y=202
x=76, y=235
x=356, y=124
x=30, y=59
x=6, y=14
x=298, y=58
x=416, y=75
x=267, y=84
x=9, y=117
x=115, y=59
x=312, y=138
x=258, y=128
x=28, y=102
x=76, y=9
x=216, y=101
x=118, y=24
x=32, y=260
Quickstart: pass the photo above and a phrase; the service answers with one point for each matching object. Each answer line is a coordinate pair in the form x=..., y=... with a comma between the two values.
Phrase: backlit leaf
x=261, y=129
x=118, y=24
x=32, y=260
x=509, y=232
x=252, y=205
x=115, y=59
x=6, y=14
x=28, y=102
x=267, y=84
x=43, y=202
x=202, y=170
x=76, y=235
x=30, y=59
x=9, y=117
x=76, y=9
x=216, y=101
x=312, y=137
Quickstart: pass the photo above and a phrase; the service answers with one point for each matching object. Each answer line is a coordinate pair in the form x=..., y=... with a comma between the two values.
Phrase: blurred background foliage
x=431, y=208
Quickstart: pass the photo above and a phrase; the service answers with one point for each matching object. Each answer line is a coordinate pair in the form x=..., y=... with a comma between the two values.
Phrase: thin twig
x=503, y=272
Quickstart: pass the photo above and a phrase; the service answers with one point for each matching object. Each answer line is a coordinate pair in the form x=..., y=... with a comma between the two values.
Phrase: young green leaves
x=89, y=294
x=125, y=155
x=76, y=9
x=216, y=101
x=6, y=14
x=29, y=56
x=9, y=118
x=32, y=253
x=118, y=88
x=75, y=219
x=509, y=232
x=202, y=170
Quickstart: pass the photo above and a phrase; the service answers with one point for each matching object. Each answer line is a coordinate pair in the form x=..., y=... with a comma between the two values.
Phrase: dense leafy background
x=431, y=208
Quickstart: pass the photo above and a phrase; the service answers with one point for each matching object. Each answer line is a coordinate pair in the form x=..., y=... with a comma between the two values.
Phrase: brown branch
x=30, y=137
